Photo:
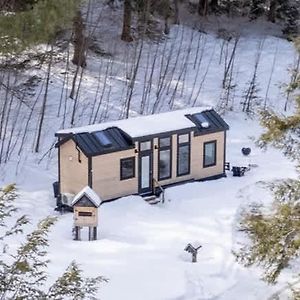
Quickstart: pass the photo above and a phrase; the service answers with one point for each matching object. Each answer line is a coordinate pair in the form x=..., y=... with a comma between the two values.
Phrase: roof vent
x=205, y=124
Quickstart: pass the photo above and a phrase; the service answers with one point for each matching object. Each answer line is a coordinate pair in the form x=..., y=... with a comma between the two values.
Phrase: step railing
x=156, y=183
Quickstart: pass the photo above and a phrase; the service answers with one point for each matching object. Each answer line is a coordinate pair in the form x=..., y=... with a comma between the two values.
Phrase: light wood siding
x=197, y=155
x=85, y=220
x=106, y=175
x=106, y=168
x=73, y=174
x=196, y=158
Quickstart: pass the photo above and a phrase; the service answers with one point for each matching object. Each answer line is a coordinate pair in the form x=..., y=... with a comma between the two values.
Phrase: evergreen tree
x=23, y=273
x=274, y=236
x=257, y=8
x=291, y=14
x=32, y=22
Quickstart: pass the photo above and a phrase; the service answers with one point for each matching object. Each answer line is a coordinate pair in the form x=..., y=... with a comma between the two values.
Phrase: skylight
x=103, y=139
x=204, y=122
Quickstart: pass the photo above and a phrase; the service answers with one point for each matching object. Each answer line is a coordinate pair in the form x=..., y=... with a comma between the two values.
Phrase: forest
x=67, y=63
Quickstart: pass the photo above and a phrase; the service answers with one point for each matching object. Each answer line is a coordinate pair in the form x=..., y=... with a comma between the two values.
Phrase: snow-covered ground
x=140, y=248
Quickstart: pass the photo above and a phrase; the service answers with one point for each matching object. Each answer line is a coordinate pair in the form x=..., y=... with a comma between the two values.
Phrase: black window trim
x=158, y=161
x=188, y=143
x=215, y=157
x=132, y=158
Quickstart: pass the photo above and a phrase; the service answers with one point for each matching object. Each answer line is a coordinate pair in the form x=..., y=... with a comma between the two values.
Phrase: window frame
x=164, y=148
x=131, y=158
x=188, y=143
x=215, y=154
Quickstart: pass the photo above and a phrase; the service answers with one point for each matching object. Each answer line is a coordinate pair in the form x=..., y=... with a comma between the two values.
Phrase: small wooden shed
x=85, y=205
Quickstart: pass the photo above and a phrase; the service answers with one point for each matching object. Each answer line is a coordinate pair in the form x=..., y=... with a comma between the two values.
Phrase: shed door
x=145, y=167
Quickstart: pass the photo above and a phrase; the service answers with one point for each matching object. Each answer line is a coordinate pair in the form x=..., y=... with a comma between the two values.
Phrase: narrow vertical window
x=210, y=151
x=183, y=154
x=164, y=158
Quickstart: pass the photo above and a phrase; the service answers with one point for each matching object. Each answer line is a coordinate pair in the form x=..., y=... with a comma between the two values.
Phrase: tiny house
x=141, y=155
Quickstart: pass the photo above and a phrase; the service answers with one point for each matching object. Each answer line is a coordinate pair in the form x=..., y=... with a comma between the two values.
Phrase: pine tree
x=33, y=22
x=274, y=235
x=291, y=16
x=257, y=8
x=23, y=273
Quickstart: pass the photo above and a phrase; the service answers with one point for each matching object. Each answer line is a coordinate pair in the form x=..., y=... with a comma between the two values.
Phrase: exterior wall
x=85, y=221
x=197, y=168
x=174, y=177
x=197, y=171
x=106, y=175
x=106, y=168
x=73, y=174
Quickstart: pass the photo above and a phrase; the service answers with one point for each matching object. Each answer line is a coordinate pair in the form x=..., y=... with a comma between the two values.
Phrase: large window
x=164, y=158
x=127, y=168
x=183, y=154
x=210, y=150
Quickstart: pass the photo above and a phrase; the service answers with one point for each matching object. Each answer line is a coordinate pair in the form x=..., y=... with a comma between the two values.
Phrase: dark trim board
x=214, y=177
x=90, y=172
x=164, y=134
x=224, y=158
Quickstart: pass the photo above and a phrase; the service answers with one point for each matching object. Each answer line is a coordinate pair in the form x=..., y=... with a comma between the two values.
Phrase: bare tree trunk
x=176, y=13
x=43, y=110
x=79, y=58
x=202, y=7
x=272, y=10
x=214, y=5
x=126, y=32
x=144, y=15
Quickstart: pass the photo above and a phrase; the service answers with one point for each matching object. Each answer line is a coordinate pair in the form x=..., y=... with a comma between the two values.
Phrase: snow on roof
x=145, y=125
x=90, y=194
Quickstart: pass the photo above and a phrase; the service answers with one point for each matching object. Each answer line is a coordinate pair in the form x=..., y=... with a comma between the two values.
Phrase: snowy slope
x=140, y=247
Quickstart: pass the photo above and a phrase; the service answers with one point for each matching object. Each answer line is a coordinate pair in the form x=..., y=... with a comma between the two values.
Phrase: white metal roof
x=90, y=193
x=145, y=125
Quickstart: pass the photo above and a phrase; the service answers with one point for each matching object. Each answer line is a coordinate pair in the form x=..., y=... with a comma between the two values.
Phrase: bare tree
x=176, y=13
x=203, y=7
x=272, y=10
x=43, y=109
x=79, y=58
x=126, y=32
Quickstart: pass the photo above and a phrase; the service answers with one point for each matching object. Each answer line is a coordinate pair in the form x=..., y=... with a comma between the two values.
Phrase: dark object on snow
x=246, y=151
x=239, y=171
x=227, y=166
x=55, y=189
x=191, y=249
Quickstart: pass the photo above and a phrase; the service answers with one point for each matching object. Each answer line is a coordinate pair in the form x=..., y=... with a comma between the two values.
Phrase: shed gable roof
x=85, y=195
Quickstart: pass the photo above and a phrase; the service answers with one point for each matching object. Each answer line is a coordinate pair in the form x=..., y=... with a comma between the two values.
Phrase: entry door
x=145, y=162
